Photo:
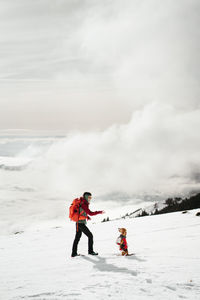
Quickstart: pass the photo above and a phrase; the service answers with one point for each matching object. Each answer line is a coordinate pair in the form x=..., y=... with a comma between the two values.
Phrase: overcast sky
x=86, y=64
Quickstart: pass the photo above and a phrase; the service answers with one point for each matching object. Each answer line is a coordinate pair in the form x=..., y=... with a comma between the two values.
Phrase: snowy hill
x=36, y=264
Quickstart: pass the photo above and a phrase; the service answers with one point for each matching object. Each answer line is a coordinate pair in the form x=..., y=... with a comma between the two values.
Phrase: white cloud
x=156, y=152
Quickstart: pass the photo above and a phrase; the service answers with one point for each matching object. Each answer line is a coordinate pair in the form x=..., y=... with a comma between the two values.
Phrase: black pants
x=82, y=228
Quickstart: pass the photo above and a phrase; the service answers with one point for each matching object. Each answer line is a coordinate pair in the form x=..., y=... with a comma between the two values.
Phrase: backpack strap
x=78, y=215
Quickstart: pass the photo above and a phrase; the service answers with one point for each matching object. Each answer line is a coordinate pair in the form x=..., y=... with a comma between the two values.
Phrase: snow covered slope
x=37, y=264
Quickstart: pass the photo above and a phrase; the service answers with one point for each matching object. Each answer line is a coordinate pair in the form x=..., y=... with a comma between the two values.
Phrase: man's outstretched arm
x=89, y=212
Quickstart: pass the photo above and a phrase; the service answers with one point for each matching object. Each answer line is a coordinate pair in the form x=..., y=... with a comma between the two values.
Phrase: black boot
x=93, y=253
x=73, y=255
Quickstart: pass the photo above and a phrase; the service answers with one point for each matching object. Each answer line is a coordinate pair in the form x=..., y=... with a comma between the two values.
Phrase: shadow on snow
x=101, y=265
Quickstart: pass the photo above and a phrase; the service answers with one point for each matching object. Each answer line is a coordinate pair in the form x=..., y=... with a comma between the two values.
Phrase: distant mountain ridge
x=162, y=207
x=169, y=205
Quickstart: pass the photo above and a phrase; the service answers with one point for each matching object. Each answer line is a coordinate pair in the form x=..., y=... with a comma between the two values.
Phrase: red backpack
x=74, y=210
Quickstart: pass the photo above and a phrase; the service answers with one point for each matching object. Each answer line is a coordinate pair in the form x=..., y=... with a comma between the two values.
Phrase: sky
x=85, y=65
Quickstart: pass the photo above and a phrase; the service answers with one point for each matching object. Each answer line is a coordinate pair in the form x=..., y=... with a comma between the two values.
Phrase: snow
x=36, y=264
x=150, y=209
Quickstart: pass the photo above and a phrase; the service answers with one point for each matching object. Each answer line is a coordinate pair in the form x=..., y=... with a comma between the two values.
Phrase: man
x=81, y=226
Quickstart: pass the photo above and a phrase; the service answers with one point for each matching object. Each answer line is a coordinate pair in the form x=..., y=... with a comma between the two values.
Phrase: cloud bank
x=157, y=152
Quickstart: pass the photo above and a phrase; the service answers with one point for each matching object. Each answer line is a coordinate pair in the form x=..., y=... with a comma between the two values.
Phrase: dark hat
x=86, y=195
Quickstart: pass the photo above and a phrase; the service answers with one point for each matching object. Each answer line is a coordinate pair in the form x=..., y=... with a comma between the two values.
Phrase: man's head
x=87, y=196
